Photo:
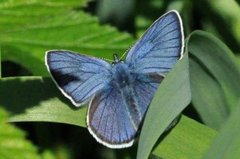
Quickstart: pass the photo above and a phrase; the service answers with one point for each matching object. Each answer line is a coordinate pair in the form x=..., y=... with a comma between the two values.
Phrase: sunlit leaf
x=13, y=144
x=65, y=28
x=37, y=99
x=188, y=140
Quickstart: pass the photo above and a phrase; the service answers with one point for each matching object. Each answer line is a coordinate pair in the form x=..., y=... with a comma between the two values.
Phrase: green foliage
x=44, y=97
x=13, y=143
x=213, y=67
x=209, y=78
x=188, y=139
x=226, y=144
x=169, y=101
x=60, y=28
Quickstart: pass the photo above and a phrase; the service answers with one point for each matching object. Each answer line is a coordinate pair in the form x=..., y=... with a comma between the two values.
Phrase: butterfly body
x=119, y=93
x=121, y=75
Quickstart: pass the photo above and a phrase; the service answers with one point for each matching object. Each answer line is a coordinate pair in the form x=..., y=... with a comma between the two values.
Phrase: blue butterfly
x=119, y=93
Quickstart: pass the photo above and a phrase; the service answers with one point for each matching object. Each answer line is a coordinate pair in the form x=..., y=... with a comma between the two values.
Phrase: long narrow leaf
x=216, y=57
x=207, y=97
x=227, y=143
x=171, y=98
x=215, y=77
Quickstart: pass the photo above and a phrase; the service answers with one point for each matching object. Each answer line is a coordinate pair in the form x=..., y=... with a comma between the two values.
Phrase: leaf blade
x=44, y=97
x=12, y=141
x=170, y=108
x=214, y=76
x=188, y=139
x=227, y=142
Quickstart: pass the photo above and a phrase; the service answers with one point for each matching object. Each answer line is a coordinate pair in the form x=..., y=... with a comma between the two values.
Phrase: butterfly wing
x=144, y=89
x=78, y=77
x=160, y=47
x=108, y=119
x=115, y=115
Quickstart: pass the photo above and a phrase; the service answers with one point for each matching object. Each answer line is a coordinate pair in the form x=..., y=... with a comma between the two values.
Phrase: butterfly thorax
x=121, y=75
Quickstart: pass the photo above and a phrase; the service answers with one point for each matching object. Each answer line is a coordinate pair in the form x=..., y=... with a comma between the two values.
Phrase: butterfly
x=119, y=93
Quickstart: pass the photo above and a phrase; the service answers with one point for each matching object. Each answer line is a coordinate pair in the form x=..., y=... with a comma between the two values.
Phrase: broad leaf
x=0, y=63
x=13, y=144
x=61, y=28
x=37, y=99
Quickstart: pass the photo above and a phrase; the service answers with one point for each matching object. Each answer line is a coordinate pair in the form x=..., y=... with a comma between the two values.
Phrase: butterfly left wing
x=79, y=77
x=108, y=119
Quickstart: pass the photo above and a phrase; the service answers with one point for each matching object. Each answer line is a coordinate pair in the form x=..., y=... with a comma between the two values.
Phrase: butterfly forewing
x=160, y=47
x=79, y=77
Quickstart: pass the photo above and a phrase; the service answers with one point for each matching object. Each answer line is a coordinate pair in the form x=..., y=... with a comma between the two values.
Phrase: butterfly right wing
x=160, y=47
x=144, y=89
x=79, y=77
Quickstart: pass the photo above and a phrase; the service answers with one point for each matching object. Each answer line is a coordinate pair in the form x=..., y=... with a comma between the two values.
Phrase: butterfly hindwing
x=109, y=121
x=79, y=77
x=144, y=88
x=160, y=47
x=115, y=115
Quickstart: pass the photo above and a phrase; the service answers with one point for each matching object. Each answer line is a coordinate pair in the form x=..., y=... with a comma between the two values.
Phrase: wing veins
x=166, y=33
x=161, y=30
x=88, y=58
x=104, y=108
x=85, y=94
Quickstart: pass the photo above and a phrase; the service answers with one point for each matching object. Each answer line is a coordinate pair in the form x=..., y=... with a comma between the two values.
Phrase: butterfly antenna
x=115, y=58
x=125, y=53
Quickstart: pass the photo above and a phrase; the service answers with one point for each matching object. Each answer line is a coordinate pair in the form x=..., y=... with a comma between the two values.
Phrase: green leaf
x=64, y=29
x=52, y=3
x=207, y=96
x=0, y=62
x=37, y=99
x=169, y=101
x=13, y=144
x=231, y=17
x=188, y=140
x=215, y=78
x=48, y=104
x=227, y=143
